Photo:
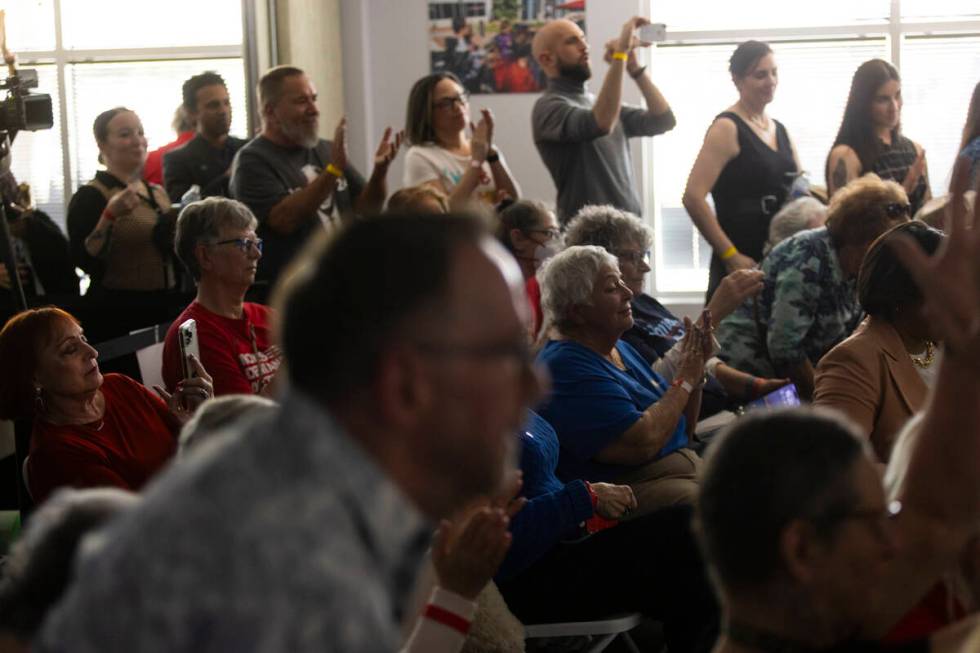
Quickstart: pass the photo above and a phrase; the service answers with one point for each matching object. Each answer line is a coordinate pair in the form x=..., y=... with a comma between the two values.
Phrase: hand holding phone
x=187, y=337
x=653, y=33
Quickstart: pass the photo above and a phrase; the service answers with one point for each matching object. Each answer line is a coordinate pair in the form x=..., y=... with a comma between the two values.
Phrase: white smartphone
x=187, y=337
x=653, y=32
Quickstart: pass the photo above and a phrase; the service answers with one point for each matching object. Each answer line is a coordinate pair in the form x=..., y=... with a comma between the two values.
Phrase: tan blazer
x=870, y=378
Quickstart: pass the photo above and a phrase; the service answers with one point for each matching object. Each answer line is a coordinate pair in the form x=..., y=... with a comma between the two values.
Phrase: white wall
x=309, y=37
x=385, y=49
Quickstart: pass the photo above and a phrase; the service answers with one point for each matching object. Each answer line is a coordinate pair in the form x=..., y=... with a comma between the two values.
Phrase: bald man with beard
x=582, y=137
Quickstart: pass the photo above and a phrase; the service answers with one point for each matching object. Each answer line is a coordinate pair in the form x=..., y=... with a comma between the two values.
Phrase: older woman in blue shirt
x=616, y=419
x=809, y=301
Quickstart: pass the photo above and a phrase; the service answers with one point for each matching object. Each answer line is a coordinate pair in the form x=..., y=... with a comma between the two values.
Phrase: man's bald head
x=560, y=48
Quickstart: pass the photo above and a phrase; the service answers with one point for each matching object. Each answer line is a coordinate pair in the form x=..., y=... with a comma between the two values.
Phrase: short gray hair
x=568, y=279
x=793, y=218
x=202, y=221
x=608, y=227
x=215, y=415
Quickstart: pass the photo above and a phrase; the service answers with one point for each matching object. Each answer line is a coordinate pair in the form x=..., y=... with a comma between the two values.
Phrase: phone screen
x=784, y=396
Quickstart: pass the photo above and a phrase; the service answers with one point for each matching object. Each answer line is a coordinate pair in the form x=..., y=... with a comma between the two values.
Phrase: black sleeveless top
x=753, y=186
x=893, y=163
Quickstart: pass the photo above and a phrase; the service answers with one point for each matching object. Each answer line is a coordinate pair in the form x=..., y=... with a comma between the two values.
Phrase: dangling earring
x=39, y=407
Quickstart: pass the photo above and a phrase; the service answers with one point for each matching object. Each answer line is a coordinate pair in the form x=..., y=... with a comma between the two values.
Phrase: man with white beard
x=296, y=182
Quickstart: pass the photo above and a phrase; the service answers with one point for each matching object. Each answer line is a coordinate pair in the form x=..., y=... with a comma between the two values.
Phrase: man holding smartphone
x=583, y=138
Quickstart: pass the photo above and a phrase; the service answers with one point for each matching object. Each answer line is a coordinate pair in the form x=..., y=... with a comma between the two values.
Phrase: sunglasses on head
x=897, y=209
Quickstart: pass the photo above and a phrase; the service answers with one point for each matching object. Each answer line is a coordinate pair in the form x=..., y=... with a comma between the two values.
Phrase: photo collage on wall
x=487, y=43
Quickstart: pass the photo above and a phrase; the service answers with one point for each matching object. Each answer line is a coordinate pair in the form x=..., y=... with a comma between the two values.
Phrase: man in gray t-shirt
x=294, y=181
x=583, y=138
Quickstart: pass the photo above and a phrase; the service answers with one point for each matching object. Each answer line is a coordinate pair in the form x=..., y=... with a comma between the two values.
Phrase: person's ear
x=403, y=388
x=203, y=255
x=575, y=315
x=801, y=550
x=518, y=239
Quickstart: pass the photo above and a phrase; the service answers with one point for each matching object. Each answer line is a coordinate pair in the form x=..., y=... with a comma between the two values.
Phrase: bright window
x=98, y=54
x=935, y=43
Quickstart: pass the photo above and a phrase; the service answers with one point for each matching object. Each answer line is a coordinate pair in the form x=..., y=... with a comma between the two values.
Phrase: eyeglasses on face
x=897, y=209
x=551, y=233
x=634, y=258
x=876, y=517
x=518, y=351
x=448, y=103
x=244, y=244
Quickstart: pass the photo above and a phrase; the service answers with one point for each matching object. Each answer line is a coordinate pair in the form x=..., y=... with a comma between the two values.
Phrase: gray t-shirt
x=287, y=538
x=263, y=173
x=587, y=166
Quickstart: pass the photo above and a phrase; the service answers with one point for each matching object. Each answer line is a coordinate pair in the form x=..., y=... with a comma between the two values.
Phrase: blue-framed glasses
x=244, y=244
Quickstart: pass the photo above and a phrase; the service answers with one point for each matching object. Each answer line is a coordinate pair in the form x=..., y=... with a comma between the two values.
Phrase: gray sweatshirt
x=587, y=166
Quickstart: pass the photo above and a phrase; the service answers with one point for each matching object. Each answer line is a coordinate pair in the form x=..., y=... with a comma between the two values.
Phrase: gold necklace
x=617, y=360
x=927, y=358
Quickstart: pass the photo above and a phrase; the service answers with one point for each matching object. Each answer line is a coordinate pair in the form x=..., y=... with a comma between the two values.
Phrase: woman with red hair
x=89, y=430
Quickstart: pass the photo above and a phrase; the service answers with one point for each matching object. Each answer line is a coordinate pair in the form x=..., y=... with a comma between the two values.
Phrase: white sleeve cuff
x=453, y=602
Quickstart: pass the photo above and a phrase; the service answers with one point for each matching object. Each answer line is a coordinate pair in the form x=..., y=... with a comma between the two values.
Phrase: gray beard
x=300, y=135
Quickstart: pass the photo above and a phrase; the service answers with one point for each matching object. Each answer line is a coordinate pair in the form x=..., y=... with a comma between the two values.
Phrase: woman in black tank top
x=870, y=137
x=747, y=162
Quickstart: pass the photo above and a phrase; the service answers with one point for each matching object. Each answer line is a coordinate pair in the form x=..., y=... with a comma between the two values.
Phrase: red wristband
x=446, y=618
x=596, y=522
x=107, y=214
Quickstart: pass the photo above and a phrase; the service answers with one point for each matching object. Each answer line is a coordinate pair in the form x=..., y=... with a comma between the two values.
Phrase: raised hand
x=735, y=288
x=482, y=132
x=338, y=150
x=388, y=148
x=190, y=394
x=691, y=366
x=950, y=279
x=123, y=202
x=626, y=41
x=467, y=555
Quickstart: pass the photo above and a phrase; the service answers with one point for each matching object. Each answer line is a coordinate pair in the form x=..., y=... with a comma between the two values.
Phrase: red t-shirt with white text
x=238, y=354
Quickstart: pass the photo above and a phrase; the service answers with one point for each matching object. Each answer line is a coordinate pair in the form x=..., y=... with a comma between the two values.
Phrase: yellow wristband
x=334, y=170
x=622, y=56
x=728, y=253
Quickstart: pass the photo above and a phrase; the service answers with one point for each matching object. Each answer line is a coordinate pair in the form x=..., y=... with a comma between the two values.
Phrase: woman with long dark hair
x=870, y=138
x=747, y=163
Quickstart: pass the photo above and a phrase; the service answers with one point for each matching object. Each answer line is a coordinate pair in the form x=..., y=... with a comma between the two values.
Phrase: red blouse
x=135, y=438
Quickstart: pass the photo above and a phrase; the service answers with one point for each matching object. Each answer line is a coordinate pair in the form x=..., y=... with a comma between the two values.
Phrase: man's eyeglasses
x=447, y=103
x=244, y=244
x=518, y=351
x=634, y=258
x=552, y=234
x=897, y=209
x=876, y=517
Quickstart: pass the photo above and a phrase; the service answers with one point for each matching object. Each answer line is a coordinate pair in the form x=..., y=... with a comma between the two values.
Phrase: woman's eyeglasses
x=448, y=103
x=897, y=209
x=244, y=244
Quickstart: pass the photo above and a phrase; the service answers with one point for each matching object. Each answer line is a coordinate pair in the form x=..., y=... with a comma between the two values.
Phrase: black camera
x=21, y=109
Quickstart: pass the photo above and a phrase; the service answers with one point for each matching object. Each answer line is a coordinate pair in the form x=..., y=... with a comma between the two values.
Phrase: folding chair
x=605, y=631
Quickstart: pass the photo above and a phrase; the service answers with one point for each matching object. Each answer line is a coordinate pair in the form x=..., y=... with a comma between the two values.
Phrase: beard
x=301, y=133
x=577, y=72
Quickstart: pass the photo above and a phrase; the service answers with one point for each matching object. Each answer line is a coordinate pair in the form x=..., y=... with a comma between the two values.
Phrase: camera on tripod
x=22, y=110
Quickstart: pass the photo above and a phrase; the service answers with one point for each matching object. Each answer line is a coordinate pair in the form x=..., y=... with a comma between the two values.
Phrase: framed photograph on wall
x=487, y=43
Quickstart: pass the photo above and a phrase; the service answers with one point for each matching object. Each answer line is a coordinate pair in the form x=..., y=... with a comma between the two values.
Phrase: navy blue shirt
x=554, y=512
x=593, y=403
